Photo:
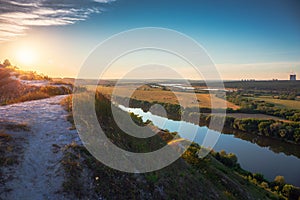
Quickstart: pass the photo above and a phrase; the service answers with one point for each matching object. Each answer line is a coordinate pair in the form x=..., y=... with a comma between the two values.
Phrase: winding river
x=256, y=154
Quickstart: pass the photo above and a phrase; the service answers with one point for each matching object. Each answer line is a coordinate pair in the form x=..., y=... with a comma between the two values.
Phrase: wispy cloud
x=16, y=16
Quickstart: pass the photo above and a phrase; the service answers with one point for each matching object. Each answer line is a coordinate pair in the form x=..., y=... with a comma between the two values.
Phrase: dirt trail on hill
x=39, y=175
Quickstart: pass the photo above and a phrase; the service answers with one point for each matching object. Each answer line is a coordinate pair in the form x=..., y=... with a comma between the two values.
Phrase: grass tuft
x=14, y=126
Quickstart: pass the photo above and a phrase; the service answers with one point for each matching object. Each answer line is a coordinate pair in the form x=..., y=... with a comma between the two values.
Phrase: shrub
x=279, y=180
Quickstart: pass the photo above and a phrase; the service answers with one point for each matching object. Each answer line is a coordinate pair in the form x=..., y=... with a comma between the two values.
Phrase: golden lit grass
x=66, y=103
x=29, y=97
x=186, y=99
x=13, y=126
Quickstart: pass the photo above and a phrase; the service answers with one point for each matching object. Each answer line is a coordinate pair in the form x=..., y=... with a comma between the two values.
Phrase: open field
x=186, y=99
x=275, y=86
x=290, y=104
x=254, y=116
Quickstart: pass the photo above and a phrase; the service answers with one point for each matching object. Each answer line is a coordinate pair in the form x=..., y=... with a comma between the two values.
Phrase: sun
x=26, y=56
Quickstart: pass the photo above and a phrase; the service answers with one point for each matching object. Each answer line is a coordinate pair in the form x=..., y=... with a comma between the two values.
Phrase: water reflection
x=257, y=154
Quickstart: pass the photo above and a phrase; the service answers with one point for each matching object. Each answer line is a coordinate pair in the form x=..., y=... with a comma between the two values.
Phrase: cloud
x=16, y=16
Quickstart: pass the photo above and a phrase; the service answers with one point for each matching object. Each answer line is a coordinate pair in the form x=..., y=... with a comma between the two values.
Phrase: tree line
x=248, y=105
x=286, y=131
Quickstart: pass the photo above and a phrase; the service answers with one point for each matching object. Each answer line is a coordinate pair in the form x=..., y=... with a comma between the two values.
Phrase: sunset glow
x=139, y=99
x=48, y=37
x=26, y=56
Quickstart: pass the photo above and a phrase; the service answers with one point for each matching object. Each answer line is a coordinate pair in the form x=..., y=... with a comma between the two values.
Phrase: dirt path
x=39, y=174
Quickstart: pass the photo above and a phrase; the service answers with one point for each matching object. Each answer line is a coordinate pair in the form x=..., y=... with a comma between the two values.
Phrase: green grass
x=290, y=104
x=187, y=178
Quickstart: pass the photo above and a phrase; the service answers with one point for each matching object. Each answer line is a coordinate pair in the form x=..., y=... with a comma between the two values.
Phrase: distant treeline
x=275, y=86
x=249, y=105
x=286, y=131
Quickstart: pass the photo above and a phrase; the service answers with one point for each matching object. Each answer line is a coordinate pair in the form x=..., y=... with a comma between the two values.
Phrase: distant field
x=156, y=94
x=291, y=104
x=280, y=85
x=254, y=116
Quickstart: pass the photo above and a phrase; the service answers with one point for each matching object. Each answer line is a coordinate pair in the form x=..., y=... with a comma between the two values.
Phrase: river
x=256, y=154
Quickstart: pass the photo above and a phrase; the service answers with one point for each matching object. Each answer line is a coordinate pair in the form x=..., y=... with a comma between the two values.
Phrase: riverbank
x=272, y=127
x=55, y=167
x=279, y=158
x=206, y=178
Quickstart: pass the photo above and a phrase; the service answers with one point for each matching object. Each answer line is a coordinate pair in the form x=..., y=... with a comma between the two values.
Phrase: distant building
x=293, y=77
x=248, y=80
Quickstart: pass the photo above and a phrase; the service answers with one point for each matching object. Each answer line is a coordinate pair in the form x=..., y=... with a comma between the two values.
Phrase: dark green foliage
x=189, y=177
x=259, y=177
x=173, y=110
x=249, y=105
x=287, y=131
x=229, y=160
x=273, y=87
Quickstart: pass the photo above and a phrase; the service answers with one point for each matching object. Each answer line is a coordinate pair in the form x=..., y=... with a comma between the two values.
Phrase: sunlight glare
x=26, y=56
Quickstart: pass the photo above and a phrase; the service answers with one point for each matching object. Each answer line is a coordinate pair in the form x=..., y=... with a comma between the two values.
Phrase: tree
x=275, y=127
x=297, y=135
x=222, y=153
x=265, y=185
x=264, y=127
x=218, y=157
x=259, y=177
x=232, y=157
x=6, y=63
x=282, y=132
x=279, y=180
x=287, y=190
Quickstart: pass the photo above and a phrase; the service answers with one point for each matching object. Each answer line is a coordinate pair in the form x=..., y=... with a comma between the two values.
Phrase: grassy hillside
x=15, y=86
x=217, y=176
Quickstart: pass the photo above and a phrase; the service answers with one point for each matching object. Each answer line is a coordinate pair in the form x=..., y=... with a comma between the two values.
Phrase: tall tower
x=293, y=77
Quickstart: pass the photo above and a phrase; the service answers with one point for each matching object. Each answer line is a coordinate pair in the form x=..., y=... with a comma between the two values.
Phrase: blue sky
x=250, y=38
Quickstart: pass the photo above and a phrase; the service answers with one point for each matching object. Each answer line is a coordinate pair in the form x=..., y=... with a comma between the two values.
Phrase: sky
x=245, y=39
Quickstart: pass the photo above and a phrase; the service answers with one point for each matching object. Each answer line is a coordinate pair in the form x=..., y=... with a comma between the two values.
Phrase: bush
x=230, y=160
x=279, y=180
x=30, y=96
x=53, y=90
